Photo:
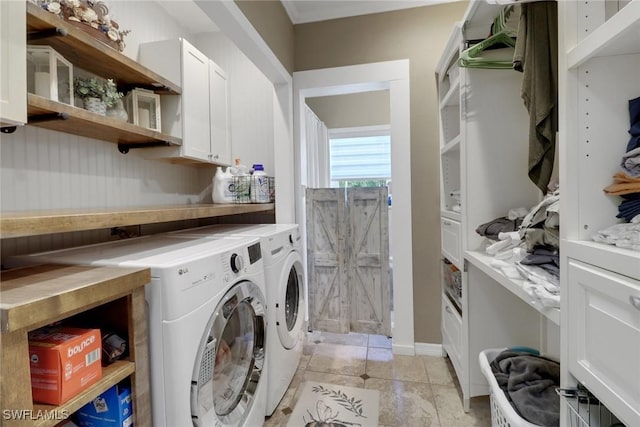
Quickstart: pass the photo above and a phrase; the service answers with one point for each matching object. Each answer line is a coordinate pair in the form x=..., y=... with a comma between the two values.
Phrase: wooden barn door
x=326, y=254
x=348, y=260
x=368, y=260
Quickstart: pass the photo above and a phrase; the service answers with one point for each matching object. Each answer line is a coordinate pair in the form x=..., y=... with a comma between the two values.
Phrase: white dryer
x=286, y=293
x=207, y=324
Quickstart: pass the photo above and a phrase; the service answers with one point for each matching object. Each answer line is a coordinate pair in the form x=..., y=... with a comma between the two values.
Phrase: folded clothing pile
x=626, y=182
x=529, y=382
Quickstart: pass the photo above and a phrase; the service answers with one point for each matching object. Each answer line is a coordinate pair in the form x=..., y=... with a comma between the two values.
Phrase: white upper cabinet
x=200, y=114
x=13, y=63
x=219, y=114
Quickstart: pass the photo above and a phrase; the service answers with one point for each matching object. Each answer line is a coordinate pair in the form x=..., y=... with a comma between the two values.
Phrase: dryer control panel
x=255, y=253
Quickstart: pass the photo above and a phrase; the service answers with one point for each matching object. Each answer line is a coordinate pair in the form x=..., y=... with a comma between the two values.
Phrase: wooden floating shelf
x=88, y=53
x=22, y=224
x=85, y=123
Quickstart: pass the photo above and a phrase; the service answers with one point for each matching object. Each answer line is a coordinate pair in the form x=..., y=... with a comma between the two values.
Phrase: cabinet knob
x=447, y=223
x=216, y=157
x=635, y=301
x=448, y=309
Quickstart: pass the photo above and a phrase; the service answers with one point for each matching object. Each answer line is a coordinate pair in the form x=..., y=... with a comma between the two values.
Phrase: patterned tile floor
x=415, y=391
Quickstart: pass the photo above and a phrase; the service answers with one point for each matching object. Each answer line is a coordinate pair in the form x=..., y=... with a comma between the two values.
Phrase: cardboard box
x=111, y=409
x=64, y=361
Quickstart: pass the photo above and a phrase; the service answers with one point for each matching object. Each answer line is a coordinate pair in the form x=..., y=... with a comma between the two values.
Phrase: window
x=360, y=157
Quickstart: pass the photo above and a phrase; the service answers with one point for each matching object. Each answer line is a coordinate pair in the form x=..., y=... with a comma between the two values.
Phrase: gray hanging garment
x=536, y=55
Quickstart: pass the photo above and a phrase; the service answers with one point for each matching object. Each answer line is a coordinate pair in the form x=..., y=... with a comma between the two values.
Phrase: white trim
x=404, y=350
x=301, y=12
x=394, y=76
x=426, y=349
x=373, y=130
x=235, y=25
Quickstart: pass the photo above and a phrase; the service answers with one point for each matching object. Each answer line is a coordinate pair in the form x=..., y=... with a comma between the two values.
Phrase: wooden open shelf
x=22, y=224
x=36, y=296
x=85, y=123
x=111, y=375
x=88, y=53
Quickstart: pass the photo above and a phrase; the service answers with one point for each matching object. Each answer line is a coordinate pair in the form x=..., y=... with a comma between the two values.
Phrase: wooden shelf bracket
x=40, y=118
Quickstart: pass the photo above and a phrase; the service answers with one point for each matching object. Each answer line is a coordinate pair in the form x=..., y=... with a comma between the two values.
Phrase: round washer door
x=230, y=358
x=290, y=301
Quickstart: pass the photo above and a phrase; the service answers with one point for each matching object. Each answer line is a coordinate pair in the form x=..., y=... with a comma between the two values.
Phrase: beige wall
x=418, y=34
x=271, y=21
x=352, y=110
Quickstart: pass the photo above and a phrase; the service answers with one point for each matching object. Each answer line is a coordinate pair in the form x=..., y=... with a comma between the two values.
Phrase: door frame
x=392, y=76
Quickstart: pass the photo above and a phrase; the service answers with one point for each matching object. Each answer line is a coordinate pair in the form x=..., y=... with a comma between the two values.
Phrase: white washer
x=286, y=290
x=207, y=324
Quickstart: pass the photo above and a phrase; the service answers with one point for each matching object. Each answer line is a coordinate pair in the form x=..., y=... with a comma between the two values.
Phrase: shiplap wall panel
x=43, y=169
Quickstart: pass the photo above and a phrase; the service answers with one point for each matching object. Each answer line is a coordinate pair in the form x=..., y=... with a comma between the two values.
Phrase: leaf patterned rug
x=330, y=405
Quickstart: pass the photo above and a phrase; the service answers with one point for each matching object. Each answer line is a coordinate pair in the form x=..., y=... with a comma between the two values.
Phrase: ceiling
x=300, y=11
x=303, y=11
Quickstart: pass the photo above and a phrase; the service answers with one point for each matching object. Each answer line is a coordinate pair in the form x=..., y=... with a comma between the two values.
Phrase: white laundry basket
x=502, y=413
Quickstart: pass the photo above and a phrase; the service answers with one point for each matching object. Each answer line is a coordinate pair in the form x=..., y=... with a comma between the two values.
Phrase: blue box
x=112, y=408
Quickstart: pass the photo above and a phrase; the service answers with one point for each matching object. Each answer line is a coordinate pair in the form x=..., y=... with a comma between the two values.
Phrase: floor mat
x=335, y=405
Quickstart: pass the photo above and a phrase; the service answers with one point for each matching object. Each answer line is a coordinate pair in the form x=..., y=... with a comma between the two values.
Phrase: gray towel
x=529, y=382
x=536, y=55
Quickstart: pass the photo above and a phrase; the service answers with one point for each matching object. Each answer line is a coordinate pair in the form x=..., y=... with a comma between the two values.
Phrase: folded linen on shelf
x=625, y=235
x=494, y=227
x=540, y=225
x=529, y=383
x=624, y=183
x=631, y=162
x=629, y=207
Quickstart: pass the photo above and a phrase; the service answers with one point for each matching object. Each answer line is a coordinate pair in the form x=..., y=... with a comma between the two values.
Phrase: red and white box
x=64, y=361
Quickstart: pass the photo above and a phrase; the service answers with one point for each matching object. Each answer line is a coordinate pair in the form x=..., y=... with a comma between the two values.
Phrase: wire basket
x=585, y=410
x=502, y=413
x=242, y=188
x=272, y=189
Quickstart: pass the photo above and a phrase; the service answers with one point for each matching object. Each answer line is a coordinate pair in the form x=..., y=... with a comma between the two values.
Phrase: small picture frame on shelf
x=49, y=74
x=143, y=106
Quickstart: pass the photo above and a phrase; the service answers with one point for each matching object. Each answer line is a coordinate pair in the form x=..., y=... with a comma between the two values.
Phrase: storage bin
x=502, y=413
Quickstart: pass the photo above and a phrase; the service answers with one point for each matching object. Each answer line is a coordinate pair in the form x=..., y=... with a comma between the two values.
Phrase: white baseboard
x=425, y=349
x=405, y=350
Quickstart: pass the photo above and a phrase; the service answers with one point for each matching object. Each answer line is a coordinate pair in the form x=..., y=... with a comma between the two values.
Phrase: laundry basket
x=502, y=413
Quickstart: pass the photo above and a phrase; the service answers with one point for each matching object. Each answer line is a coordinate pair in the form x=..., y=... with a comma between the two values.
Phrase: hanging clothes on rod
x=502, y=36
x=536, y=56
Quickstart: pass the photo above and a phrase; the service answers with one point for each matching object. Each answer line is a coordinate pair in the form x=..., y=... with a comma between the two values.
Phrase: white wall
x=251, y=100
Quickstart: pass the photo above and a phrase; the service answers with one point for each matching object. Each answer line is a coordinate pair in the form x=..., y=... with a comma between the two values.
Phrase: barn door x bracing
x=348, y=260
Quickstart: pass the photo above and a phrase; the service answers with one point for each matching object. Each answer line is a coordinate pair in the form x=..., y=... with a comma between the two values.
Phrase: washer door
x=230, y=359
x=290, y=301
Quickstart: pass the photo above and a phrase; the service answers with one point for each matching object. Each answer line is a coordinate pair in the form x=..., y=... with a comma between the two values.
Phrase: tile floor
x=415, y=391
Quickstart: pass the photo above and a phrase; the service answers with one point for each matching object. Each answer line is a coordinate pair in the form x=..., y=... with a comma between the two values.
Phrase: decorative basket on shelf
x=91, y=17
x=95, y=105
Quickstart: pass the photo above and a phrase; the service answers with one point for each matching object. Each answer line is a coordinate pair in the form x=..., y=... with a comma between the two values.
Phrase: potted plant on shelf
x=96, y=94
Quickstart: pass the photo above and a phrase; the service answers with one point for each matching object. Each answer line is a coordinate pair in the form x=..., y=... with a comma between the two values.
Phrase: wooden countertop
x=36, y=296
x=33, y=223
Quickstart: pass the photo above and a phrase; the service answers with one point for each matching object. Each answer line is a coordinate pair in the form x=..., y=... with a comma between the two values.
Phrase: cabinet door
x=219, y=115
x=195, y=104
x=13, y=63
x=604, y=337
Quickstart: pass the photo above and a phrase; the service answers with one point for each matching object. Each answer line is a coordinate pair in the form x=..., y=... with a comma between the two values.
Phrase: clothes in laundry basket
x=529, y=383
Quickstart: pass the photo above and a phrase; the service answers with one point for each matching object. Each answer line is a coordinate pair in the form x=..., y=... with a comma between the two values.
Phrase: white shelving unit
x=484, y=155
x=600, y=313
